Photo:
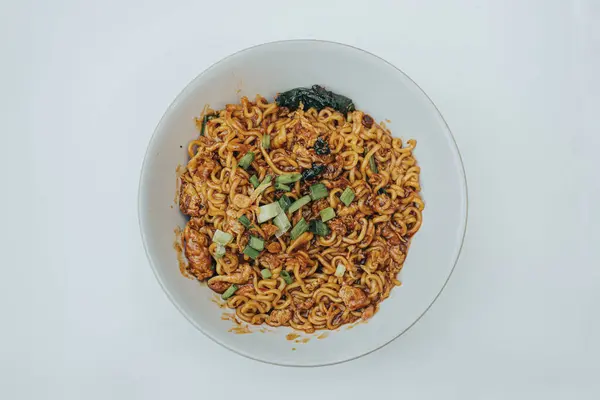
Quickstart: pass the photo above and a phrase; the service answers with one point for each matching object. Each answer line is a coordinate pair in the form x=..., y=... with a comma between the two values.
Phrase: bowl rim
x=143, y=170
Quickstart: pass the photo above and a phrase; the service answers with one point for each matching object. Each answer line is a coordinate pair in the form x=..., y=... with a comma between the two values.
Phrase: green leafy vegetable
x=316, y=97
x=347, y=196
x=318, y=191
x=286, y=277
x=266, y=274
x=286, y=179
x=229, y=292
x=322, y=147
x=302, y=201
x=312, y=173
x=254, y=181
x=285, y=202
x=318, y=227
x=299, y=229
x=250, y=252
x=256, y=243
x=327, y=214
x=246, y=160
x=245, y=221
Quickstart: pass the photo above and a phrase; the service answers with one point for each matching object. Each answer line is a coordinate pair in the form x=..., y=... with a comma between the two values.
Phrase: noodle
x=316, y=281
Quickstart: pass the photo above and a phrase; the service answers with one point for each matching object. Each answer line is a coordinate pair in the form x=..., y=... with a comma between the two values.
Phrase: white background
x=82, y=86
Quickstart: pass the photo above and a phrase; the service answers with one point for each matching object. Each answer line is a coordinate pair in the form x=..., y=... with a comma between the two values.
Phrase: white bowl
x=376, y=87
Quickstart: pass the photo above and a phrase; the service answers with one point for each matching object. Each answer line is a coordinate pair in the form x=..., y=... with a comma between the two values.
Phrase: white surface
x=83, y=86
x=382, y=91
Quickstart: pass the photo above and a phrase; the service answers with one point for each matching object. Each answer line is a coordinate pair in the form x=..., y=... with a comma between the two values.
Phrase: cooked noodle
x=369, y=238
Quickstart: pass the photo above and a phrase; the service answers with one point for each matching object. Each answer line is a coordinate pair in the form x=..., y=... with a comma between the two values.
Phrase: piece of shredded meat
x=353, y=298
x=196, y=251
x=190, y=202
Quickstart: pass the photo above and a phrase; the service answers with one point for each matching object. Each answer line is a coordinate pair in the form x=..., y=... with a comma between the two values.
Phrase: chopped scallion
x=245, y=221
x=246, y=160
x=372, y=164
x=339, y=271
x=268, y=211
x=318, y=227
x=220, y=250
x=266, y=141
x=256, y=243
x=281, y=186
x=286, y=179
x=266, y=274
x=229, y=292
x=222, y=237
x=250, y=252
x=347, y=196
x=299, y=229
x=327, y=214
x=282, y=223
x=318, y=191
x=254, y=181
x=285, y=202
x=286, y=277
x=302, y=201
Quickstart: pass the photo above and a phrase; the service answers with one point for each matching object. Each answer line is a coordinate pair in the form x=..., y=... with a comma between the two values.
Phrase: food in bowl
x=301, y=210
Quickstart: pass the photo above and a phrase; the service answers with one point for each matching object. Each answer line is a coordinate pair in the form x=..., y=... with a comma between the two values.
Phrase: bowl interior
x=377, y=88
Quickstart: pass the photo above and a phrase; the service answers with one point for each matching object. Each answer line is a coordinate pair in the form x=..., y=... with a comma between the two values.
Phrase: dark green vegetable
x=286, y=277
x=245, y=221
x=285, y=202
x=373, y=165
x=281, y=186
x=299, y=229
x=316, y=97
x=381, y=191
x=318, y=227
x=313, y=172
x=254, y=181
x=322, y=147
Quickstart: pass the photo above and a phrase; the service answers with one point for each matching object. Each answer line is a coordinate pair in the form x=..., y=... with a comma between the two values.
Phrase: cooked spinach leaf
x=322, y=147
x=317, y=97
x=312, y=173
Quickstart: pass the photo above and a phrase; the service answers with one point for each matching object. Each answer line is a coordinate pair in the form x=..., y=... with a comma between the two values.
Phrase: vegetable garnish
x=229, y=292
x=327, y=214
x=347, y=196
x=268, y=211
x=299, y=229
x=250, y=252
x=286, y=277
x=266, y=274
x=246, y=160
x=302, y=201
x=256, y=243
x=221, y=237
x=318, y=191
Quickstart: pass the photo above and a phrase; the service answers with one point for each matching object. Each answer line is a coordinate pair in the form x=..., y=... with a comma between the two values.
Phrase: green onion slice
x=372, y=164
x=281, y=186
x=285, y=202
x=245, y=221
x=220, y=250
x=299, y=229
x=222, y=237
x=256, y=243
x=286, y=277
x=347, y=196
x=246, y=160
x=229, y=292
x=250, y=252
x=266, y=141
x=282, y=223
x=339, y=271
x=327, y=214
x=286, y=179
x=254, y=181
x=318, y=191
x=302, y=201
x=266, y=274
x=268, y=211
x=318, y=227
